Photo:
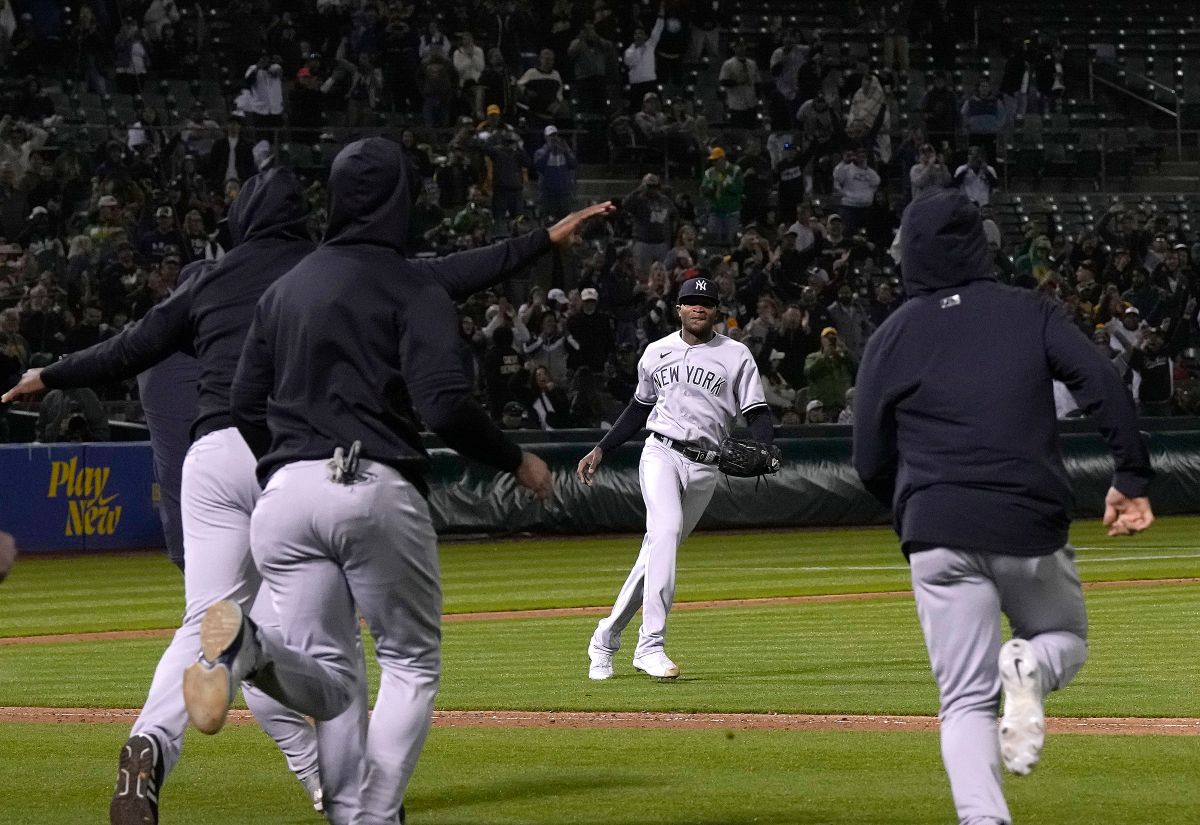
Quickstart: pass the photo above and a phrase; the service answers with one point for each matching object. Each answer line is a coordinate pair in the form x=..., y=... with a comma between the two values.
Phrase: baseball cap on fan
x=697, y=288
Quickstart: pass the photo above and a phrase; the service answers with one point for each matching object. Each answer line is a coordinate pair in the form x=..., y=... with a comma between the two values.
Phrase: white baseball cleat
x=1023, y=725
x=656, y=664
x=229, y=652
x=600, y=664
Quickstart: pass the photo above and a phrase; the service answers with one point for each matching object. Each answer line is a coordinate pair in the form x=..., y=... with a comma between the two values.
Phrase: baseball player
x=692, y=385
x=207, y=316
x=343, y=355
x=954, y=427
x=169, y=394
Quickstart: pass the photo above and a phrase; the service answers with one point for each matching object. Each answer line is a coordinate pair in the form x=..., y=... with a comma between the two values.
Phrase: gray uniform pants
x=325, y=547
x=218, y=494
x=676, y=491
x=960, y=596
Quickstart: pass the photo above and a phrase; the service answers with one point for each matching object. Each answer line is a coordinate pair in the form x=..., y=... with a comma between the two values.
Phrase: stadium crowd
x=789, y=199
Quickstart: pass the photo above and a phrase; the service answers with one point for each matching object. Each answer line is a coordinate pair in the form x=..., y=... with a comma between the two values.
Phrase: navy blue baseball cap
x=697, y=288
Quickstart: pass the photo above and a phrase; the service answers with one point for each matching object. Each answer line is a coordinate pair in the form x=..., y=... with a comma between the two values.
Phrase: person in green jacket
x=830, y=372
x=724, y=187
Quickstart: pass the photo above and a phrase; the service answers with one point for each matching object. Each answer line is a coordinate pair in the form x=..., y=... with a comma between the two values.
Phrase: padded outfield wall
x=103, y=496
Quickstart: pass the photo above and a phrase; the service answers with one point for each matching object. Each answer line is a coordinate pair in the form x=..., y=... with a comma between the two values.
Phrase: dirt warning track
x=1130, y=726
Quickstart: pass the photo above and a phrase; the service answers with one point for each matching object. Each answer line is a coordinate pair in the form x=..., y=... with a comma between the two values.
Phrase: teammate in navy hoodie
x=955, y=429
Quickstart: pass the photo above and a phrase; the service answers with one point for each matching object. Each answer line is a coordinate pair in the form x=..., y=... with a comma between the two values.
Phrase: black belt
x=688, y=450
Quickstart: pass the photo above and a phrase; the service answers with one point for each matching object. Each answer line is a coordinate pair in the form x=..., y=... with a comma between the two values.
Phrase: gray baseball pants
x=960, y=596
x=219, y=490
x=325, y=547
x=676, y=491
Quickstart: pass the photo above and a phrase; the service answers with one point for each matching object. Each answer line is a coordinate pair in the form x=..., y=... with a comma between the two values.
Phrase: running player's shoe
x=1023, y=725
x=229, y=652
x=139, y=774
x=600, y=664
x=656, y=664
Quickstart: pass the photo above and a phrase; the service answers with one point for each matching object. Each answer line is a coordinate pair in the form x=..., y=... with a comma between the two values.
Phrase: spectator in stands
x=306, y=107
x=510, y=165
x=814, y=412
x=164, y=237
x=500, y=364
x=855, y=183
x=1128, y=235
x=40, y=324
x=1154, y=361
x=15, y=343
x=651, y=122
x=469, y=63
x=1035, y=264
x=794, y=337
x=977, y=178
x=232, y=157
x=723, y=187
x=589, y=334
x=819, y=131
x=555, y=164
x=92, y=55
x=365, y=94
x=929, y=172
x=851, y=320
x=437, y=83
x=984, y=117
x=71, y=415
x=830, y=372
x=1150, y=300
x=739, y=78
x=264, y=83
x=779, y=395
x=434, y=42
x=496, y=87
x=541, y=89
x=785, y=69
x=640, y=60
x=88, y=332
x=756, y=172
x=549, y=348
x=867, y=118
x=549, y=401
x=654, y=219
x=591, y=55
x=789, y=180
x=941, y=110
x=885, y=302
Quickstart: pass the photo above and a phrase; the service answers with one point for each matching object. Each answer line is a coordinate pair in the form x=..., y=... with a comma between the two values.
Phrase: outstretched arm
x=465, y=273
x=163, y=331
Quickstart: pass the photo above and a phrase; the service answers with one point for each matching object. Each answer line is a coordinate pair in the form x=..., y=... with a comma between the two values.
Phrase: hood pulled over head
x=369, y=198
x=942, y=242
x=271, y=204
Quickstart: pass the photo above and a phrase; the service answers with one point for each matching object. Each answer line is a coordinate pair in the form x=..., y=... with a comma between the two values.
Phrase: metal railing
x=1176, y=113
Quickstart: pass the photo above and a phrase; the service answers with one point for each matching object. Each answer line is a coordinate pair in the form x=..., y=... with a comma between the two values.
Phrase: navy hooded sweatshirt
x=359, y=343
x=208, y=315
x=954, y=422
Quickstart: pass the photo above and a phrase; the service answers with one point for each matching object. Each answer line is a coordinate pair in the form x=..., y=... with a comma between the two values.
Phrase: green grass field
x=831, y=657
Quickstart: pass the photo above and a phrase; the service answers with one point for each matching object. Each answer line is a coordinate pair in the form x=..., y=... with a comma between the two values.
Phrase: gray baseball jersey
x=697, y=391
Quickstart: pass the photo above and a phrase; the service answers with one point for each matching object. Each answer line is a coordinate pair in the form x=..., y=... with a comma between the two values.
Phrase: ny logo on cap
x=702, y=285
